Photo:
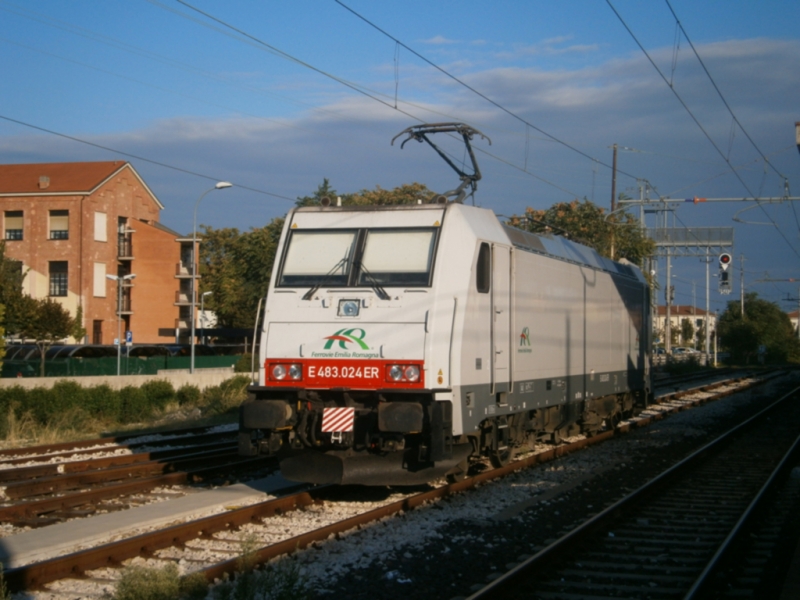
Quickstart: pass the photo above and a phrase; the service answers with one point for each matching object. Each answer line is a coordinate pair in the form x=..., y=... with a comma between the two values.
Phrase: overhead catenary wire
x=375, y=96
x=142, y=158
x=719, y=92
x=699, y=125
x=478, y=93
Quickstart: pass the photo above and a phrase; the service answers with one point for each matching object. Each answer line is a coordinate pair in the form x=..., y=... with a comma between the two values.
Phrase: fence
x=139, y=365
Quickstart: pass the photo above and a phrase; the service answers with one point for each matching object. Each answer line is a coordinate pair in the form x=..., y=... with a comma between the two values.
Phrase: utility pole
x=614, y=179
x=668, y=325
x=741, y=283
x=708, y=262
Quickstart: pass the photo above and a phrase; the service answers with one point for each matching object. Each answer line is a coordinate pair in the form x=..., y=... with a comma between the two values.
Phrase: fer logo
x=525, y=337
x=343, y=336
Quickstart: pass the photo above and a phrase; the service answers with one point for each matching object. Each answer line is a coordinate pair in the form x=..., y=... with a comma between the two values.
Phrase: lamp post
x=203, y=313
x=195, y=262
x=120, y=281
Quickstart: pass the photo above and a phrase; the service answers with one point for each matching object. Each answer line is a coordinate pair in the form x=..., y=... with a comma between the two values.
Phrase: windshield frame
x=358, y=277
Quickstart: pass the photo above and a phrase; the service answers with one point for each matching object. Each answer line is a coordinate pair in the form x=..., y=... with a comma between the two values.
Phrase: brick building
x=72, y=224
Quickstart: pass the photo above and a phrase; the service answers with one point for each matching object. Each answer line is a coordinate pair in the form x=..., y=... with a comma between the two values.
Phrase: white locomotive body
x=400, y=341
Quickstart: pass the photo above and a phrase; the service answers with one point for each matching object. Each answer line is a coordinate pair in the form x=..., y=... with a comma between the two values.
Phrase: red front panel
x=350, y=374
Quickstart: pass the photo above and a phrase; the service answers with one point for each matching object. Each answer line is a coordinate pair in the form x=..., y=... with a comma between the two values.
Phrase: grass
x=281, y=580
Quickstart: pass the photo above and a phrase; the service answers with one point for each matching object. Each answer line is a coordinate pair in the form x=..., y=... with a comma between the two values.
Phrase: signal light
x=724, y=261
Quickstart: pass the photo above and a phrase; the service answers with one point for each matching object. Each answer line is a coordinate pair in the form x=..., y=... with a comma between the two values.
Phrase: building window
x=59, y=276
x=13, y=219
x=100, y=227
x=97, y=332
x=99, y=280
x=59, y=224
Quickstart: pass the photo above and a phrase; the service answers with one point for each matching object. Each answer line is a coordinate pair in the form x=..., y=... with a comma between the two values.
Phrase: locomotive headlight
x=295, y=372
x=411, y=373
x=278, y=372
x=349, y=308
x=403, y=373
x=396, y=372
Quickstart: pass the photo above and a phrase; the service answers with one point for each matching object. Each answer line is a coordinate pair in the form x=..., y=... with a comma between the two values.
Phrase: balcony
x=124, y=247
x=184, y=269
x=125, y=303
x=184, y=297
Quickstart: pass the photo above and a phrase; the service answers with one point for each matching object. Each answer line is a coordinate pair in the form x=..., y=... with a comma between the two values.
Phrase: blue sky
x=161, y=81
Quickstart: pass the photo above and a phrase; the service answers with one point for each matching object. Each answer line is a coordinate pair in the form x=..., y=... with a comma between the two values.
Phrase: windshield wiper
x=379, y=291
x=325, y=278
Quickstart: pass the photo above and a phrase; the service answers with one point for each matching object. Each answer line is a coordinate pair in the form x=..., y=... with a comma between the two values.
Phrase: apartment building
x=72, y=225
x=678, y=312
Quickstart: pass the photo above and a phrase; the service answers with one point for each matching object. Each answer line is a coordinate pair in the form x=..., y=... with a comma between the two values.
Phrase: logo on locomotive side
x=345, y=336
x=525, y=341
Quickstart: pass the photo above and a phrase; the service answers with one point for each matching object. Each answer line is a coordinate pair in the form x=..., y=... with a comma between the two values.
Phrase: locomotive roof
x=548, y=245
x=567, y=250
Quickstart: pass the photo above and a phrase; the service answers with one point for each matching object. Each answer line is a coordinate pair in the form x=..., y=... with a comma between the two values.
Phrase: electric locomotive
x=400, y=342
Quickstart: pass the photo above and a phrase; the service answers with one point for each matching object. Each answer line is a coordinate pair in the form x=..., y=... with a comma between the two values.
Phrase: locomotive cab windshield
x=359, y=258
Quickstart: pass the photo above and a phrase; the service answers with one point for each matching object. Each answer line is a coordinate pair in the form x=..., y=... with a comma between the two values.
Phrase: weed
x=147, y=583
x=280, y=581
x=159, y=393
x=226, y=396
x=4, y=593
x=188, y=394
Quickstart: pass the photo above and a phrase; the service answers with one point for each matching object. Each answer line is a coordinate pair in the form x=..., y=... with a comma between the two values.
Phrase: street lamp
x=195, y=262
x=120, y=281
x=203, y=313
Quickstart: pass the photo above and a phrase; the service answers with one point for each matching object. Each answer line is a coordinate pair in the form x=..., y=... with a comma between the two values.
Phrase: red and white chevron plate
x=338, y=419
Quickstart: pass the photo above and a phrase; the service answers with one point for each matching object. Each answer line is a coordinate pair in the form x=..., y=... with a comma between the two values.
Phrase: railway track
x=47, y=484
x=217, y=538
x=685, y=534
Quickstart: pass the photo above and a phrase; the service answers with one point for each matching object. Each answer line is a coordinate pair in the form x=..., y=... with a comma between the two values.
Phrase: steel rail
x=94, y=464
x=26, y=510
x=501, y=587
x=785, y=464
x=118, y=440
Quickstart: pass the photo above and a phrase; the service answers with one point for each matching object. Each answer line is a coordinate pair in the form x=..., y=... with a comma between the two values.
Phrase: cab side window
x=483, y=278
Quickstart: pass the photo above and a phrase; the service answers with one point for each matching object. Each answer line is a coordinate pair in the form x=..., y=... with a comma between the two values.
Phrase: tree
x=11, y=296
x=409, y=193
x=764, y=324
x=2, y=335
x=45, y=321
x=587, y=223
x=236, y=267
x=687, y=331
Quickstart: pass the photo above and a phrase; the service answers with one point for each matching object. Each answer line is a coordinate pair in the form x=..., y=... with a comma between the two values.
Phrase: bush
x=244, y=364
x=39, y=402
x=188, y=394
x=65, y=396
x=134, y=405
x=236, y=386
x=102, y=401
x=226, y=396
x=159, y=393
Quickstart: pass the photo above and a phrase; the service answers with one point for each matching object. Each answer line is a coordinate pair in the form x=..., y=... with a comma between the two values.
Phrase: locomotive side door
x=501, y=319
